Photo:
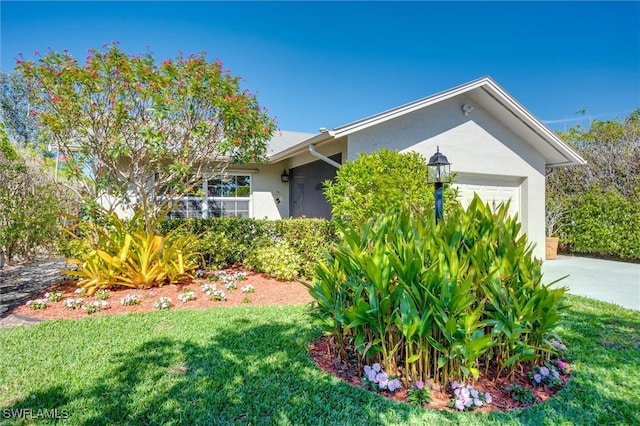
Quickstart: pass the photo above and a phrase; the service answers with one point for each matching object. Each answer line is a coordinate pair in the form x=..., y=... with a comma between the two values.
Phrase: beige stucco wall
x=474, y=144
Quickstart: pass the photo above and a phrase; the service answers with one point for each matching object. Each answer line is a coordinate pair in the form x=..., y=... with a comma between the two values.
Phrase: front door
x=306, y=190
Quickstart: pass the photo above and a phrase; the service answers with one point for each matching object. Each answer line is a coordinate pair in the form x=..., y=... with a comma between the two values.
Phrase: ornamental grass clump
x=438, y=303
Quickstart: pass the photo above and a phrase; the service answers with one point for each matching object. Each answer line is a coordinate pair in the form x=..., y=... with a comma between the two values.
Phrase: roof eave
x=321, y=137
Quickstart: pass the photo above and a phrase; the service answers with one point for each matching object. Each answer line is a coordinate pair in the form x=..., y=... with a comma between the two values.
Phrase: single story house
x=497, y=148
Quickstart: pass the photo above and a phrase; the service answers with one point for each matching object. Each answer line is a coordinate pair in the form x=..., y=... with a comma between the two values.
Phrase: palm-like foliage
x=438, y=301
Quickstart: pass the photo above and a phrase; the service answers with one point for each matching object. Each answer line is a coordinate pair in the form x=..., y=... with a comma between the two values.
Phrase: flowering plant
x=208, y=289
x=545, y=375
x=466, y=397
x=186, y=295
x=37, y=304
x=71, y=303
x=54, y=296
x=80, y=292
x=163, y=303
x=218, y=295
x=130, y=300
x=247, y=289
x=418, y=393
x=376, y=379
x=103, y=294
x=95, y=306
x=560, y=365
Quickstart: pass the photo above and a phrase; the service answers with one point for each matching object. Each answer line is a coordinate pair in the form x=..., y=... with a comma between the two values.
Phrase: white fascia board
x=320, y=138
x=529, y=120
x=408, y=108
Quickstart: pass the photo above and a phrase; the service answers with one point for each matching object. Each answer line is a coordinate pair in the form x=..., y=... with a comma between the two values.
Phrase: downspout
x=312, y=151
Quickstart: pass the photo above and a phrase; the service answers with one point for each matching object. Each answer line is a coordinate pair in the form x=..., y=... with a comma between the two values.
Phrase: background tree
x=139, y=132
x=29, y=200
x=375, y=183
x=19, y=124
x=598, y=205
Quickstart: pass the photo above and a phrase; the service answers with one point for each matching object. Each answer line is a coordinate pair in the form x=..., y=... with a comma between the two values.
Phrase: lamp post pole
x=439, y=174
x=439, y=200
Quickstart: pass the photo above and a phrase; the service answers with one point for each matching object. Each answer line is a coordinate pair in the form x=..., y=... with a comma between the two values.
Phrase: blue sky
x=325, y=64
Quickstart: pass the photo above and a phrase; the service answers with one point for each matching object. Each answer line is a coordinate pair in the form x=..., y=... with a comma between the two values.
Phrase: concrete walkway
x=606, y=280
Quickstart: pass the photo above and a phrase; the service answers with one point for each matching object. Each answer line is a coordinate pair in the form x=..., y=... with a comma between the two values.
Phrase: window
x=226, y=195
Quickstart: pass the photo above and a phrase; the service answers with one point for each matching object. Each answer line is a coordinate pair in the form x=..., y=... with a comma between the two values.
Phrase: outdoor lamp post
x=438, y=173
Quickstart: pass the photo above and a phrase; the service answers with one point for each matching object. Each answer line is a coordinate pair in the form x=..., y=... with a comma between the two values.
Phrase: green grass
x=249, y=365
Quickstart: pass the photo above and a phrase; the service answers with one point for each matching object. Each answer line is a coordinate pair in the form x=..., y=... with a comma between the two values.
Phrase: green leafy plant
x=375, y=183
x=437, y=300
x=95, y=306
x=279, y=260
x=126, y=255
x=163, y=303
x=545, y=375
x=130, y=300
x=418, y=393
x=38, y=304
x=54, y=296
x=102, y=294
x=520, y=393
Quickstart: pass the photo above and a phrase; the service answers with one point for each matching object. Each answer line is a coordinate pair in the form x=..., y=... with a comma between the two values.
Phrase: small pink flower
x=537, y=378
x=419, y=385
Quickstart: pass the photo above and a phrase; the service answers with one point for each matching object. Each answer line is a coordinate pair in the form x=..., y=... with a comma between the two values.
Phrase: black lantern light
x=438, y=173
x=284, y=177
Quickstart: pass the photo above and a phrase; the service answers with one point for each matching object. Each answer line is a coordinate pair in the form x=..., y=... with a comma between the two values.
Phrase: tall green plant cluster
x=116, y=252
x=28, y=201
x=437, y=302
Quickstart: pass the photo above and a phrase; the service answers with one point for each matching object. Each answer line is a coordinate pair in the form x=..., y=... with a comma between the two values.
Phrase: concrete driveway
x=605, y=280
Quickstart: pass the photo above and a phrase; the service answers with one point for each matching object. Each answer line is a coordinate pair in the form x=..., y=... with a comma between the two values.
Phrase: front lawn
x=249, y=365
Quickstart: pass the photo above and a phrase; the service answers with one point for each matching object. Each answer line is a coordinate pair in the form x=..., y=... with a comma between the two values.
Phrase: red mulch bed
x=324, y=357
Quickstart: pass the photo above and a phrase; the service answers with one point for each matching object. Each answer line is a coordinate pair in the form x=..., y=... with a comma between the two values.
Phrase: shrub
x=438, y=300
x=278, y=260
x=224, y=242
x=600, y=223
x=311, y=238
x=29, y=199
x=375, y=183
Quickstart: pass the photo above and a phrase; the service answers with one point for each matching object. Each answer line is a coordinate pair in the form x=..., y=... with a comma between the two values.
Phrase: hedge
x=230, y=240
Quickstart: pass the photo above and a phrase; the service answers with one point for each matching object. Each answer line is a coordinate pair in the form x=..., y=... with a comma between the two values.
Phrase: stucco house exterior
x=497, y=148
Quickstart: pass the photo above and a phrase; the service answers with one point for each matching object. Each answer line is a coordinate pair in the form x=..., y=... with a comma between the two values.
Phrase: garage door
x=492, y=190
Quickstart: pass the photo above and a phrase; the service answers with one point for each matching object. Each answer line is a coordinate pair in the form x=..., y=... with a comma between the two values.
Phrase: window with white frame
x=224, y=196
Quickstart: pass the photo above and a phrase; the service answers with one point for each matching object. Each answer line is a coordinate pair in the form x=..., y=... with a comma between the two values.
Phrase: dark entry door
x=306, y=191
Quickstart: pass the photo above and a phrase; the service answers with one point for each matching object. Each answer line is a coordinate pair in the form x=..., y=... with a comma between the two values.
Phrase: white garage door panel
x=492, y=191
